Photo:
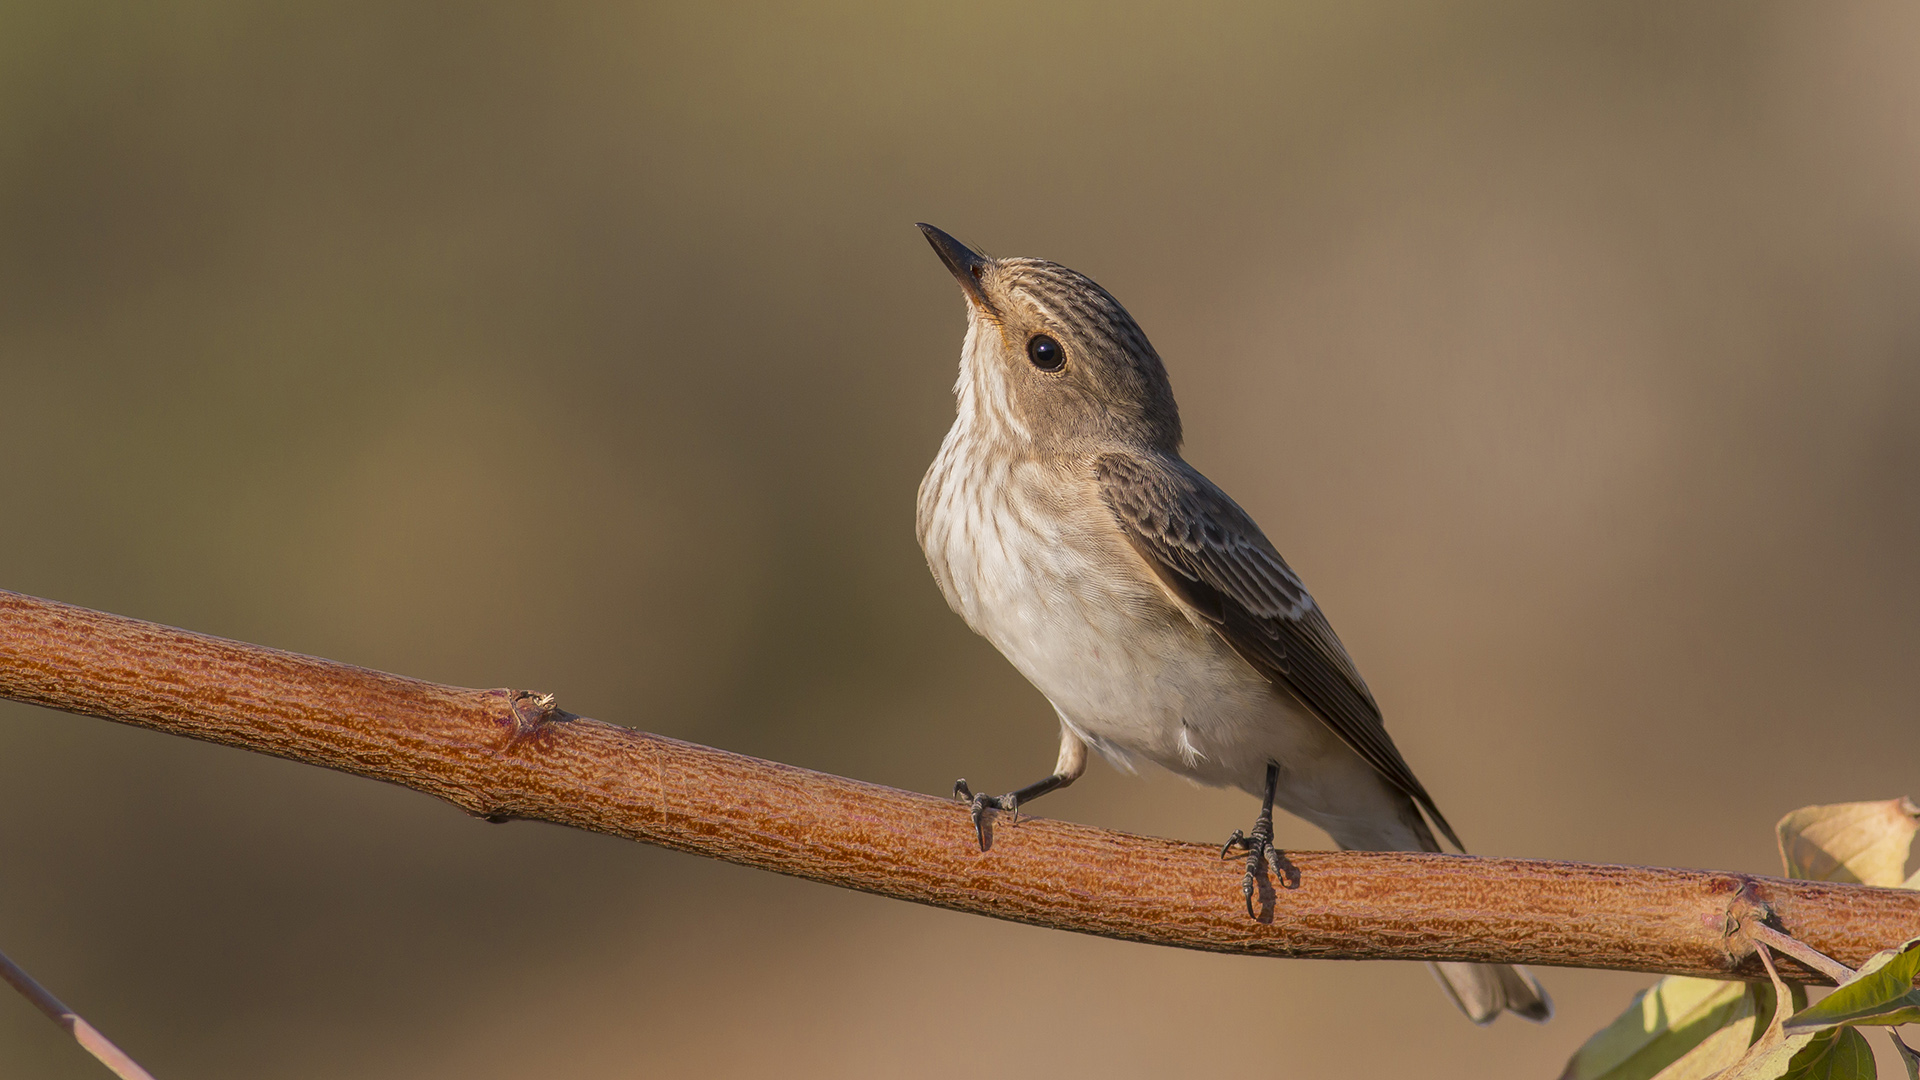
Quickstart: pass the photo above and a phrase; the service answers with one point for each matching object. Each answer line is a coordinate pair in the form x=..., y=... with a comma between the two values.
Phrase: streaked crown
x=1051, y=357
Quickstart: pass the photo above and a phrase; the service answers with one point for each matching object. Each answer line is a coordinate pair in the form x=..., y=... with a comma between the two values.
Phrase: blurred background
x=1570, y=352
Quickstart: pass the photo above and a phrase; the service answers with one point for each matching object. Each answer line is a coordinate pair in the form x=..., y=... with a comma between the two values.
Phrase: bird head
x=1051, y=357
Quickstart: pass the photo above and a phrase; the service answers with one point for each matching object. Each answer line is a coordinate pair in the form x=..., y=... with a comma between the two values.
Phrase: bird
x=1061, y=523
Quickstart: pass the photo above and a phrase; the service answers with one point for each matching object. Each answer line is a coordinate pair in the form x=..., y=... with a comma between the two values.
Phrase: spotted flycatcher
x=1063, y=526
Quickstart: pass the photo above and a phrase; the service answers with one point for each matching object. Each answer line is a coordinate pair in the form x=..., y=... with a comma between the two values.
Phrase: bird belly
x=1173, y=693
x=1062, y=595
x=1054, y=585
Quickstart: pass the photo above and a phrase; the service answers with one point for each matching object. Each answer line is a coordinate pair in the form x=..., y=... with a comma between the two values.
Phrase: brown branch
x=505, y=754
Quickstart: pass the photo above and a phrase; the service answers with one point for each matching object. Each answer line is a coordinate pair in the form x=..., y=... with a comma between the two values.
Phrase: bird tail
x=1484, y=991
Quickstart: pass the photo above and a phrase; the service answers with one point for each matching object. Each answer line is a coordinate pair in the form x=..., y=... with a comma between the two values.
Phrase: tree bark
x=502, y=754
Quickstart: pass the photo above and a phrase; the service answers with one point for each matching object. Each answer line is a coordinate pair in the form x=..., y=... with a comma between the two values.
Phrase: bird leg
x=1072, y=762
x=1259, y=846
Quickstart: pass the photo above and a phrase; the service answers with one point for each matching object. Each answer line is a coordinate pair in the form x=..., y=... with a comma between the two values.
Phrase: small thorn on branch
x=529, y=716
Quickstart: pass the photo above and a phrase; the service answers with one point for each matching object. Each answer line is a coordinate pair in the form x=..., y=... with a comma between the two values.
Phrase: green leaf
x=1881, y=992
x=1908, y=1056
x=1836, y=1054
x=1665, y=1023
x=1865, y=842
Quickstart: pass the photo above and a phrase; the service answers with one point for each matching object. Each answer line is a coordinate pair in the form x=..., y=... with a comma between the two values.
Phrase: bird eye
x=1045, y=353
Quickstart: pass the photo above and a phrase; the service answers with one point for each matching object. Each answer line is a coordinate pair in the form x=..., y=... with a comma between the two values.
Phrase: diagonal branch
x=504, y=754
x=88, y=1036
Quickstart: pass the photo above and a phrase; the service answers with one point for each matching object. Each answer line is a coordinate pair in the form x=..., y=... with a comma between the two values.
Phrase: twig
x=1801, y=951
x=503, y=754
x=83, y=1033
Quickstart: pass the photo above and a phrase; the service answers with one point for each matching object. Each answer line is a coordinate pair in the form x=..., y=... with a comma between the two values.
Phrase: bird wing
x=1210, y=554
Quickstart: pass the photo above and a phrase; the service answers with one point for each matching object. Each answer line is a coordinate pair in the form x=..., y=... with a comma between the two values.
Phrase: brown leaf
x=1865, y=842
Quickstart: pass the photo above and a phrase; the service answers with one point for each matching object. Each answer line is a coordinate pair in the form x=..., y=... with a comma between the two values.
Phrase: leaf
x=1836, y=1054
x=1725, y=1047
x=1721, y=1048
x=1881, y=992
x=1908, y=1056
x=1665, y=1023
x=1695, y=1029
x=1772, y=1054
x=1864, y=842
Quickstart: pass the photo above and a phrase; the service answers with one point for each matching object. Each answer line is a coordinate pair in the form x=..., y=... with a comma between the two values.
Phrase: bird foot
x=1261, y=854
x=983, y=806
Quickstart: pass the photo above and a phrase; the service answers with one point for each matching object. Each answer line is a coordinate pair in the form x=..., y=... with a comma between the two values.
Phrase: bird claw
x=1261, y=854
x=981, y=806
x=1237, y=840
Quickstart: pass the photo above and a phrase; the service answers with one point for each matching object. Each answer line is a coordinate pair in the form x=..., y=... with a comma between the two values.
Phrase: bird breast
x=1027, y=553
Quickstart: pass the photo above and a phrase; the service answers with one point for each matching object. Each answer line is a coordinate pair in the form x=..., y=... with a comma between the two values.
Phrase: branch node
x=530, y=717
x=530, y=720
x=1745, y=908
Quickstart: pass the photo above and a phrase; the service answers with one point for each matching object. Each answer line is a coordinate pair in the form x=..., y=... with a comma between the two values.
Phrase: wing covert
x=1210, y=554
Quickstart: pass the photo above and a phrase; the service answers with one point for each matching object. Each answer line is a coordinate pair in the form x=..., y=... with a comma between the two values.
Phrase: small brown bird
x=1063, y=526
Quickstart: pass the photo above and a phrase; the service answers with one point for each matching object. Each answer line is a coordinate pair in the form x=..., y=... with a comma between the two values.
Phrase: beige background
x=1571, y=352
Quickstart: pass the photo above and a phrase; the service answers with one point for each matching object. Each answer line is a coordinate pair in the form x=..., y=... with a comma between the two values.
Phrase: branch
x=502, y=754
x=88, y=1036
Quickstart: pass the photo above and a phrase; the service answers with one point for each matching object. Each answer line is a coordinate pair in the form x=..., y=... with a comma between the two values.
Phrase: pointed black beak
x=966, y=264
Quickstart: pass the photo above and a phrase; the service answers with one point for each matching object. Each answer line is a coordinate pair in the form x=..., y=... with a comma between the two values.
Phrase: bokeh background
x=1570, y=351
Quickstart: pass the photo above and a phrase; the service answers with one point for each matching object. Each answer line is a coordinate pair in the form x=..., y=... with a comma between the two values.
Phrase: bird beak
x=966, y=265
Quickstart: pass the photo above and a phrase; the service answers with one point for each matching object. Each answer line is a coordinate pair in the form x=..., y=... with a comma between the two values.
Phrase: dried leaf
x=1725, y=1047
x=1773, y=1052
x=1881, y=992
x=1665, y=1023
x=1863, y=842
x=1720, y=1049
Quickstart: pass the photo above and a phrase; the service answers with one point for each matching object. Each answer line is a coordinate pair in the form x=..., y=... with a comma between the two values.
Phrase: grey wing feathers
x=1211, y=554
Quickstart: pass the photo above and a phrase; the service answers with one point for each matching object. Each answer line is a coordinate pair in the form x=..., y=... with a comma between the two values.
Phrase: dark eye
x=1045, y=353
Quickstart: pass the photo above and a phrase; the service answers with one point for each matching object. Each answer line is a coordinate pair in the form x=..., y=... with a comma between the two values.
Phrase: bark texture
x=502, y=754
